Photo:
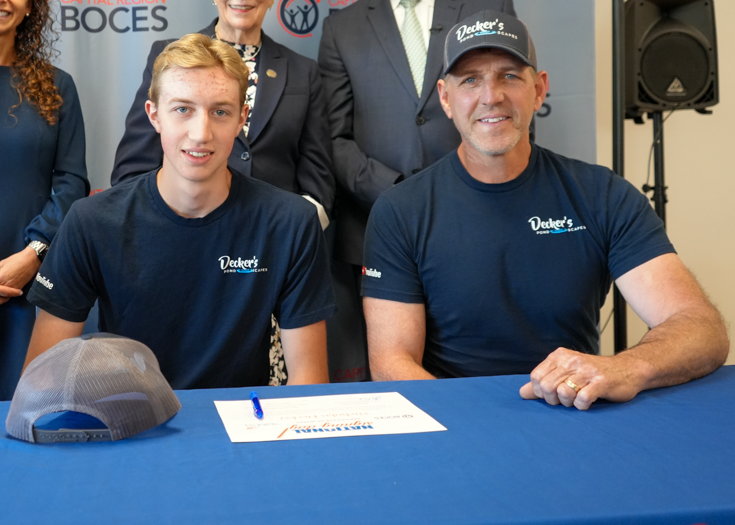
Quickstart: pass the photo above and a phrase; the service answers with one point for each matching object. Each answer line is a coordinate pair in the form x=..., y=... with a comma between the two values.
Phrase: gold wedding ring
x=571, y=385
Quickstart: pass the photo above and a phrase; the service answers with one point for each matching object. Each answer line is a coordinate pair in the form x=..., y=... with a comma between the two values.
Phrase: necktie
x=413, y=43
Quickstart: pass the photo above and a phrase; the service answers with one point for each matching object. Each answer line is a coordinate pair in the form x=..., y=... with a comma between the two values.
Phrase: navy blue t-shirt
x=508, y=272
x=198, y=292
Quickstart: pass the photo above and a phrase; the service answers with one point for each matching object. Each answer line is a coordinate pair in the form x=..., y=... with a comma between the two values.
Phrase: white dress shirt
x=424, y=12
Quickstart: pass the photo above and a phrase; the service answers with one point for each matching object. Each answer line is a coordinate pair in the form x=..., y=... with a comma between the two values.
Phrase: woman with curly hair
x=42, y=169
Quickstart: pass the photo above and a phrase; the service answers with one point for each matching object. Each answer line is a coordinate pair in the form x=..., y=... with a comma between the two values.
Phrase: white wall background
x=698, y=162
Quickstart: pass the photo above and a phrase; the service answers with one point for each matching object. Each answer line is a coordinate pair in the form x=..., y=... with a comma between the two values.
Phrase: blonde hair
x=197, y=50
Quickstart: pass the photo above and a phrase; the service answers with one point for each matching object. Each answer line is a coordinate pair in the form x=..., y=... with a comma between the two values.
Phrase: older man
x=193, y=258
x=497, y=259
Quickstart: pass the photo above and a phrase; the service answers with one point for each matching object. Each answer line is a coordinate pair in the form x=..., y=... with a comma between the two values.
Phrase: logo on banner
x=298, y=17
x=338, y=3
x=119, y=19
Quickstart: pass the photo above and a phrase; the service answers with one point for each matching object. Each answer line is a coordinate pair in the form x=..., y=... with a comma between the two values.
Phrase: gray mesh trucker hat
x=111, y=378
x=489, y=29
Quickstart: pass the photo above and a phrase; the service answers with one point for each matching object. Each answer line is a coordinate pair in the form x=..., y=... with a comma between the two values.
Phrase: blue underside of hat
x=69, y=420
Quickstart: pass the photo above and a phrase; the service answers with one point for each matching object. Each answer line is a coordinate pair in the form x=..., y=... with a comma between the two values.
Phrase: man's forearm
x=305, y=352
x=684, y=347
x=688, y=338
x=399, y=367
x=48, y=331
x=396, y=334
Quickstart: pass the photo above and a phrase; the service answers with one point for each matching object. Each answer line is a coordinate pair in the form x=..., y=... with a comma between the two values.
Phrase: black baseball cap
x=489, y=29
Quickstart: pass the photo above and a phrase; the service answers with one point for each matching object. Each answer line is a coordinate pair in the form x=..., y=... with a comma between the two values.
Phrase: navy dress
x=42, y=172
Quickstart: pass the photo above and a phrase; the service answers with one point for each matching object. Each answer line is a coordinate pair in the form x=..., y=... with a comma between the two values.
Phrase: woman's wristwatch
x=40, y=248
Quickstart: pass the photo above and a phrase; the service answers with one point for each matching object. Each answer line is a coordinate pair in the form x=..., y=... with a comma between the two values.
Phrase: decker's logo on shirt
x=371, y=272
x=45, y=282
x=543, y=227
x=240, y=265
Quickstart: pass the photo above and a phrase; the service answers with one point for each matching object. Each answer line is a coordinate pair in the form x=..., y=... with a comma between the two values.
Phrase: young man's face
x=491, y=96
x=198, y=116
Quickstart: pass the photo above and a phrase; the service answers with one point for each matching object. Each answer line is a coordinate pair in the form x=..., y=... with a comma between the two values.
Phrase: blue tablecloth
x=667, y=456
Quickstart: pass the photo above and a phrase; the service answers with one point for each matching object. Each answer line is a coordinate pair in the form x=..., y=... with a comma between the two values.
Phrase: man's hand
x=576, y=379
x=687, y=340
x=16, y=271
x=7, y=292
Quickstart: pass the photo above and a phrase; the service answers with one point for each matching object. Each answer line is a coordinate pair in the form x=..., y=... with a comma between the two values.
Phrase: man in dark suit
x=386, y=124
x=288, y=140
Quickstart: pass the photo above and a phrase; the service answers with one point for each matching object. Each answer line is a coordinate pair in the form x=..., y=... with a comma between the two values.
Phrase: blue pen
x=257, y=410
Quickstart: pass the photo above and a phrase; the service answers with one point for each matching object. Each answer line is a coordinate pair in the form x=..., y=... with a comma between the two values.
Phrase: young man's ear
x=244, y=114
x=152, y=111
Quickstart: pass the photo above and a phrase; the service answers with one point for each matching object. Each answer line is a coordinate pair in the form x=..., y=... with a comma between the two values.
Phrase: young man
x=497, y=259
x=193, y=258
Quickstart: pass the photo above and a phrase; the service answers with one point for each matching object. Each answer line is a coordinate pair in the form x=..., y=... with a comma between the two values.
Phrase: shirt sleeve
x=307, y=296
x=64, y=285
x=390, y=268
x=635, y=233
x=69, y=178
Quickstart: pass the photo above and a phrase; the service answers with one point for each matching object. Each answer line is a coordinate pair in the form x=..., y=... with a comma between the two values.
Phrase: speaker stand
x=659, y=187
x=618, y=22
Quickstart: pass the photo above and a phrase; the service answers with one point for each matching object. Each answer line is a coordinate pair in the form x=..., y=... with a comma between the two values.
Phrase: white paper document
x=324, y=416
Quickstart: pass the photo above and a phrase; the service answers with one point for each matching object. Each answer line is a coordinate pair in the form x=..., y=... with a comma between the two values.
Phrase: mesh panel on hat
x=115, y=379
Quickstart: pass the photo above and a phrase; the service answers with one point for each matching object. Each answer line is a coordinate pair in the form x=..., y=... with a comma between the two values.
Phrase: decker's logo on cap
x=496, y=27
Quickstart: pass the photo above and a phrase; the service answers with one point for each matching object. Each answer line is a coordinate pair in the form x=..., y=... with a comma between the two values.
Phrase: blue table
x=668, y=457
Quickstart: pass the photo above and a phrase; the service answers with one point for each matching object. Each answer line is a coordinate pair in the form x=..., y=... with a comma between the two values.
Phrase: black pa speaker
x=670, y=56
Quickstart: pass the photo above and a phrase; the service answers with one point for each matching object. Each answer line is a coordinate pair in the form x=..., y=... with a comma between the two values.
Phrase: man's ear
x=542, y=87
x=152, y=111
x=244, y=115
x=441, y=87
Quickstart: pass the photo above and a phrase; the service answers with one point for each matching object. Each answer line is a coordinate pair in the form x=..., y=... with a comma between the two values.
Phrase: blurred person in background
x=43, y=168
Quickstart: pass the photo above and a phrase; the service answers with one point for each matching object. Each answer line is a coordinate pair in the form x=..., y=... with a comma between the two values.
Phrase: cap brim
x=484, y=45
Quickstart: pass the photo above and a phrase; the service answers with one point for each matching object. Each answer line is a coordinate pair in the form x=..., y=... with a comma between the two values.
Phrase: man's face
x=491, y=96
x=198, y=115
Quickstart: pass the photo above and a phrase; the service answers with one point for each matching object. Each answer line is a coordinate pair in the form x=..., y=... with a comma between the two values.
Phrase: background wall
x=698, y=163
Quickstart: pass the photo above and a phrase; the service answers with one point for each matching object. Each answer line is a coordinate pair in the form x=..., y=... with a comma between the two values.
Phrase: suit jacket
x=382, y=131
x=288, y=144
